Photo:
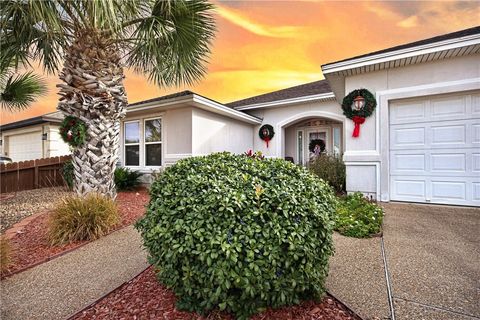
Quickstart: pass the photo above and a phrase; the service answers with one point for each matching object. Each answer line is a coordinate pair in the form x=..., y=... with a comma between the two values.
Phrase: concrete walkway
x=433, y=262
x=59, y=288
x=432, y=254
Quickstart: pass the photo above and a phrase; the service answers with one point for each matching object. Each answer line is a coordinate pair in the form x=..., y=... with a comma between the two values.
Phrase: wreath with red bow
x=73, y=131
x=266, y=133
x=365, y=104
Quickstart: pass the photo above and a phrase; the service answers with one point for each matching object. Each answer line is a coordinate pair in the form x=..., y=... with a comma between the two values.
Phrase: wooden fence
x=33, y=174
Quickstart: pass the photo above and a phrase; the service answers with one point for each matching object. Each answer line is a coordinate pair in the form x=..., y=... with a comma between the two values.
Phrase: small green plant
x=331, y=169
x=358, y=217
x=5, y=251
x=126, y=179
x=68, y=174
x=82, y=218
x=239, y=233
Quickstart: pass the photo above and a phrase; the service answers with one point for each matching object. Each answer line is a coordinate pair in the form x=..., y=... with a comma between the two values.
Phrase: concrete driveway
x=433, y=259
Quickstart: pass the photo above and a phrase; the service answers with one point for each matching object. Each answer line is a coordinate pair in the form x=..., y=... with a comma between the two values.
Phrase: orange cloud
x=256, y=27
x=263, y=46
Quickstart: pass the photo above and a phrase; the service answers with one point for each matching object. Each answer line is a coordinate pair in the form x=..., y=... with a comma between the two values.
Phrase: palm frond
x=171, y=45
x=20, y=90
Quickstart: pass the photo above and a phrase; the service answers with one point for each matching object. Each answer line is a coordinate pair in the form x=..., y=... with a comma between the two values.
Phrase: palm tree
x=94, y=40
x=18, y=90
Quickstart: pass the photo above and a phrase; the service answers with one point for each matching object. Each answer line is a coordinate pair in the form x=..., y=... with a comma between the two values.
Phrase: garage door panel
x=437, y=160
x=451, y=107
x=476, y=104
x=475, y=133
x=448, y=134
x=409, y=187
x=443, y=190
x=409, y=112
x=448, y=162
x=408, y=137
x=408, y=162
x=476, y=162
x=476, y=191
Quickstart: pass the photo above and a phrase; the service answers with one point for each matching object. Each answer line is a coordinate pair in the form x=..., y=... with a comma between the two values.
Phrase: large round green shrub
x=239, y=233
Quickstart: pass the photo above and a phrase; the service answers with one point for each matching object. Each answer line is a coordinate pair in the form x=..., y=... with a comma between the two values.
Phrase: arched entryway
x=296, y=134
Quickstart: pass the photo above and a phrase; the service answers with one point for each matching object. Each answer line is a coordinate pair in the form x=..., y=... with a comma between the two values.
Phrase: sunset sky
x=263, y=46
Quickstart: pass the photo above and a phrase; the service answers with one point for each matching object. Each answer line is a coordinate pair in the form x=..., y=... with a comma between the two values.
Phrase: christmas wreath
x=73, y=131
x=357, y=106
x=314, y=143
x=266, y=133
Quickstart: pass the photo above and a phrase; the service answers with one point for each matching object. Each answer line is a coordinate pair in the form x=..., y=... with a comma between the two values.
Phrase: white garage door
x=435, y=149
x=26, y=146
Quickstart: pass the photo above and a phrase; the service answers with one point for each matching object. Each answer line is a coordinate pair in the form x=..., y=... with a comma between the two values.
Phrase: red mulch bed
x=31, y=247
x=145, y=298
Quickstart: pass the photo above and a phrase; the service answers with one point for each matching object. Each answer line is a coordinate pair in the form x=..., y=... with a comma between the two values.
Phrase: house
x=420, y=144
x=33, y=138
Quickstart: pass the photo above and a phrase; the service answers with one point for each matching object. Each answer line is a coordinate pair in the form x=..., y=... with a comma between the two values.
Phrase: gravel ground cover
x=31, y=247
x=145, y=298
x=16, y=207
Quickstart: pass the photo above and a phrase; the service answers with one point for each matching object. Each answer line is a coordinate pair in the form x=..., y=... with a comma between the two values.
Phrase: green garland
x=366, y=111
x=313, y=143
x=73, y=131
x=270, y=133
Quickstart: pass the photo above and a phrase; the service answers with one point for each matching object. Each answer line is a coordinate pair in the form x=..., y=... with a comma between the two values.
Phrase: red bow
x=267, y=140
x=358, y=121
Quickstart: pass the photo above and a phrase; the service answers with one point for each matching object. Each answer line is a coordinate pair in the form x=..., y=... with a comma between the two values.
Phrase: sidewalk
x=61, y=287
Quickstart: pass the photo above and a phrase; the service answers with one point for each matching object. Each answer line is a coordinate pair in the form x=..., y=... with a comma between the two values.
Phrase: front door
x=320, y=133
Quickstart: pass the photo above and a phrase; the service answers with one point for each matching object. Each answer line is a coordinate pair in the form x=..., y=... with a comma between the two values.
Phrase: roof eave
x=328, y=96
x=363, y=62
x=197, y=101
x=335, y=73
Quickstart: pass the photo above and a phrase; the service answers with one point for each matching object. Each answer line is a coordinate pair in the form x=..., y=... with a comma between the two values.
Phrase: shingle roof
x=55, y=117
x=166, y=97
x=443, y=37
x=302, y=90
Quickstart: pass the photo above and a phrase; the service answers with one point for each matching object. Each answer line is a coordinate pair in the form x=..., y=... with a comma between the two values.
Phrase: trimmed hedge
x=239, y=233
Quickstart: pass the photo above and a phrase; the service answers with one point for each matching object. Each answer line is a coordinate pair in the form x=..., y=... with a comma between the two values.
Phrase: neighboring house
x=422, y=143
x=33, y=138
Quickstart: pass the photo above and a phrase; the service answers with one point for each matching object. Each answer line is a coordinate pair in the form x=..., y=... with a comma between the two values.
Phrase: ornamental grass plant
x=239, y=233
x=82, y=218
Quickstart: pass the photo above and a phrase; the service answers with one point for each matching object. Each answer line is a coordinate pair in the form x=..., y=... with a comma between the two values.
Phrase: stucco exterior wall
x=55, y=145
x=366, y=157
x=282, y=117
x=176, y=135
x=216, y=133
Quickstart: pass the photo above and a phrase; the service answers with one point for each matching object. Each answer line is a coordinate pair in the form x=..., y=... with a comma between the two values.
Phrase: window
x=300, y=147
x=132, y=143
x=153, y=142
x=337, y=145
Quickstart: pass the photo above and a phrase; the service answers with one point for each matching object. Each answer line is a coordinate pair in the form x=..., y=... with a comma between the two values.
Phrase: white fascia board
x=199, y=101
x=224, y=110
x=402, y=54
x=278, y=103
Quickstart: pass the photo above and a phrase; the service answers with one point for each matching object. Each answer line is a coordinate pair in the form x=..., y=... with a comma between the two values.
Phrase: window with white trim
x=153, y=142
x=132, y=143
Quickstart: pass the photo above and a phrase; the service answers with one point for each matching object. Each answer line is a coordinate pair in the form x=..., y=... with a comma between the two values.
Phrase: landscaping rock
x=15, y=207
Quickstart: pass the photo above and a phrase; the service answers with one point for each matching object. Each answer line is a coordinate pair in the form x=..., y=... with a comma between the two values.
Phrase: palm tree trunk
x=94, y=92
